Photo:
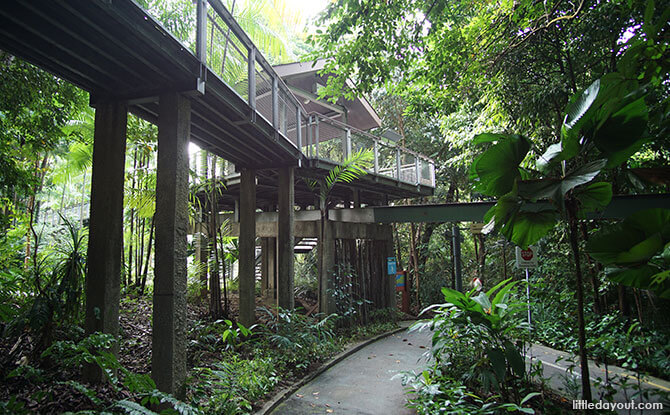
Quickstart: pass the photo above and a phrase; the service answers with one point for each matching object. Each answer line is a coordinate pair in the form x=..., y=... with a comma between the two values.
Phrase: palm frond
x=351, y=169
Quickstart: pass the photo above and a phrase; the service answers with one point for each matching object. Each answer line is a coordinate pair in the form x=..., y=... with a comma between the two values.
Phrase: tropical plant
x=637, y=251
x=473, y=350
x=488, y=320
x=603, y=126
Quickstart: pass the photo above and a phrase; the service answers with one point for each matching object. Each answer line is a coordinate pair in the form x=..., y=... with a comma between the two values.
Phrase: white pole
x=528, y=298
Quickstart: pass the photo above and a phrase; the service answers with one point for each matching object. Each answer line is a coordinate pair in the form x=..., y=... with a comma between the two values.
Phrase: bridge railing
x=227, y=50
x=335, y=141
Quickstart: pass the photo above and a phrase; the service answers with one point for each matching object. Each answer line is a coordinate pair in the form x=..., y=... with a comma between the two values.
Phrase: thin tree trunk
x=571, y=205
x=146, y=264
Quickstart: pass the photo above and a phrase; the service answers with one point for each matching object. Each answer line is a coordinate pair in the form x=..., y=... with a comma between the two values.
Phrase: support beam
x=247, y=247
x=168, y=365
x=286, y=238
x=105, y=240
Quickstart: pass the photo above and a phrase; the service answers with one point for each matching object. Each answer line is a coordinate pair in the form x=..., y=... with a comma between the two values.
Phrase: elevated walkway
x=241, y=109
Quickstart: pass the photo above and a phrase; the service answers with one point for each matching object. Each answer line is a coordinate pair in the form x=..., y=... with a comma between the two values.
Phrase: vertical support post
x=316, y=135
x=432, y=173
x=275, y=103
x=105, y=240
x=286, y=237
x=397, y=163
x=456, y=235
x=252, y=78
x=357, y=198
x=309, y=136
x=326, y=266
x=247, y=247
x=417, y=163
x=347, y=145
x=376, y=150
x=298, y=127
x=201, y=31
x=168, y=365
x=265, y=280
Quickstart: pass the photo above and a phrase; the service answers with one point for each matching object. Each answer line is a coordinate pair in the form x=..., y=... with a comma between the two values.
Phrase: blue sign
x=390, y=265
x=400, y=280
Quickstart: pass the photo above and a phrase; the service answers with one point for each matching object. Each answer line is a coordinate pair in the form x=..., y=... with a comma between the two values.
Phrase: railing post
x=347, y=145
x=397, y=163
x=316, y=135
x=417, y=163
x=376, y=150
x=252, y=78
x=309, y=136
x=298, y=128
x=275, y=103
x=201, y=32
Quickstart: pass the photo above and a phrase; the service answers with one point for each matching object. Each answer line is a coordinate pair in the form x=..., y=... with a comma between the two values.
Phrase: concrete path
x=362, y=383
x=563, y=376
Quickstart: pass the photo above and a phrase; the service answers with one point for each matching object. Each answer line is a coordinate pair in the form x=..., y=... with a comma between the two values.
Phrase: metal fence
x=227, y=50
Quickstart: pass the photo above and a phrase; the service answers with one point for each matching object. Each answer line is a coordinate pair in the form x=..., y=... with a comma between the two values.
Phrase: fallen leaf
x=299, y=395
x=330, y=411
x=315, y=393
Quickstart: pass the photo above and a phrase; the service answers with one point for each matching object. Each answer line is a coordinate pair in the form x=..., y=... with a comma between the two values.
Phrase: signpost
x=390, y=265
x=527, y=259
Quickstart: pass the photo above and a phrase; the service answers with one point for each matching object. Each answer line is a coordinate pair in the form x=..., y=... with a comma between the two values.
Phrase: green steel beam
x=620, y=207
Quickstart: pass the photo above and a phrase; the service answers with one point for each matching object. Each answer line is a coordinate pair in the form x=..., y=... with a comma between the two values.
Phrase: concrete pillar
x=326, y=267
x=247, y=246
x=105, y=239
x=286, y=238
x=357, y=199
x=168, y=365
x=269, y=267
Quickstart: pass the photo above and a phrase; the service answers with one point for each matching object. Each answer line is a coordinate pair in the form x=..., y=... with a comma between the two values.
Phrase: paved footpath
x=362, y=383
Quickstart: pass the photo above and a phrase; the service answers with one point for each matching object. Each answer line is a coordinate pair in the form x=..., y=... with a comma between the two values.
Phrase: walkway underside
x=115, y=51
x=371, y=189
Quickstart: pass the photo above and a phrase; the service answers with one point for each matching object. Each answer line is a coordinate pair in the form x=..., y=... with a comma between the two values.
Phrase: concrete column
x=326, y=267
x=357, y=199
x=247, y=246
x=168, y=365
x=105, y=239
x=264, y=268
x=286, y=238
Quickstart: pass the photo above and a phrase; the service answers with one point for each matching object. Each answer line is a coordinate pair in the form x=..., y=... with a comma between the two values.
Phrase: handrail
x=276, y=104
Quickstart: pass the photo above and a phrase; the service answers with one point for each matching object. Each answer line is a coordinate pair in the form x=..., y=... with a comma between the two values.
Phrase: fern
x=133, y=408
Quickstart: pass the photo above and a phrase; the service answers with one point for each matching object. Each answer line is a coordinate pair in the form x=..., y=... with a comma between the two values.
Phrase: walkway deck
x=240, y=108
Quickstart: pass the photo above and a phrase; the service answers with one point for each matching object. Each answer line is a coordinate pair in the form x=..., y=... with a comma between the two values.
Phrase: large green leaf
x=495, y=171
x=595, y=196
x=623, y=133
x=497, y=359
x=636, y=240
x=525, y=228
x=555, y=189
x=577, y=113
x=550, y=156
x=514, y=359
x=642, y=277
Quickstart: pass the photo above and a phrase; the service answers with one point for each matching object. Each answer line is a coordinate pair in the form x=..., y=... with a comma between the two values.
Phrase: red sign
x=527, y=254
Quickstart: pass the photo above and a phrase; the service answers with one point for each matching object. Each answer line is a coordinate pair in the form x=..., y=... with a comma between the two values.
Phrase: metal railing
x=224, y=47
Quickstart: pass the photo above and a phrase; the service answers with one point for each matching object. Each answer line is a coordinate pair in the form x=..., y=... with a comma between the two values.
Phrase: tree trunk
x=146, y=264
x=571, y=205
